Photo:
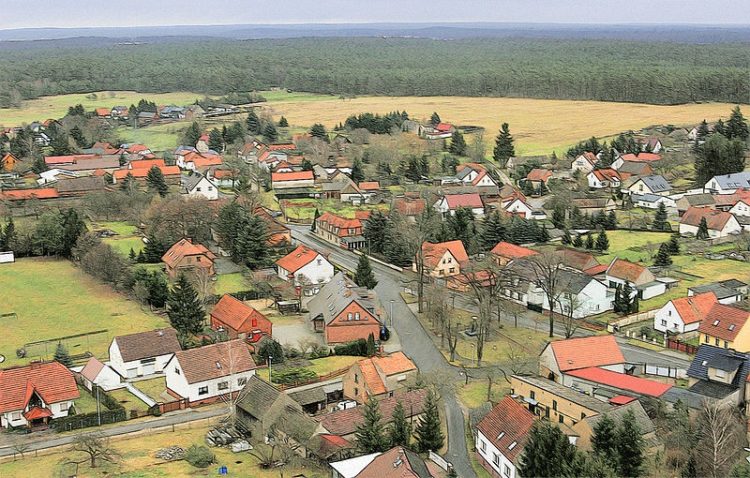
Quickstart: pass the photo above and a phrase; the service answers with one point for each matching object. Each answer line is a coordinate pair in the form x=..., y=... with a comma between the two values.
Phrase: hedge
x=112, y=412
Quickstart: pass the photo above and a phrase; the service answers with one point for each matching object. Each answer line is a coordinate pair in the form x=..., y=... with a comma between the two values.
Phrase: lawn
x=136, y=460
x=128, y=400
x=474, y=394
x=163, y=137
x=54, y=299
x=631, y=245
x=228, y=283
x=86, y=403
x=154, y=388
x=509, y=344
x=57, y=106
x=326, y=365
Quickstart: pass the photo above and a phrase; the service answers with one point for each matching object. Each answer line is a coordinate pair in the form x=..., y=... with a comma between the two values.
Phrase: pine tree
x=589, y=241
x=558, y=216
x=252, y=245
x=307, y=165
x=630, y=446
x=663, y=258
x=611, y=223
x=192, y=134
x=184, y=308
x=578, y=242
x=374, y=231
x=315, y=220
x=399, y=432
x=602, y=243
x=435, y=119
x=319, y=131
x=737, y=126
x=674, y=244
x=156, y=182
x=78, y=137
x=604, y=441
x=547, y=452
x=370, y=348
x=458, y=144
x=491, y=231
x=283, y=123
x=504, y=149
x=62, y=356
x=429, y=435
x=660, y=219
x=253, y=123
x=153, y=250
x=128, y=184
x=357, y=174
x=216, y=140
x=566, y=239
x=702, y=229
x=132, y=256
x=270, y=133
x=158, y=289
x=370, y=434
x=364, y=277
x=9, y=236
x=627, y=298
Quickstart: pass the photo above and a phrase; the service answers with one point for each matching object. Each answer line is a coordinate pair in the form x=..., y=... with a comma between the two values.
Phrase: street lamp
x=392, y=312
x=269, y=368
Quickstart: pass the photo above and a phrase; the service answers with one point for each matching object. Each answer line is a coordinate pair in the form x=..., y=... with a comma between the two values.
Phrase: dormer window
x=731, y=327
x=716, y=322
x=502, y=434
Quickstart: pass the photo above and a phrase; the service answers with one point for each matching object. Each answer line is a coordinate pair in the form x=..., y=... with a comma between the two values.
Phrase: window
x=241, y=381
x=177, y=370
x=390, y=394
x=482, y=445
x=356, y=378
x=561, y=418
x=669, y=313
x=506, y=470
x=583, y=415
x=532, y=394
x=15, y=416
x=554, y=405
x=452, y=270
x=349, y=316
x=726, y=344
x=720, y=373
x=356, y=391
x=663, y=322
x=496, y=459
x=716, y=341
x=198, y=189
x=356, y=316
x=705, y=338
x=203, y=390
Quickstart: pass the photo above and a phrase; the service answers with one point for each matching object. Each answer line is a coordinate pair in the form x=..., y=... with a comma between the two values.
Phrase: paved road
x=414, y=339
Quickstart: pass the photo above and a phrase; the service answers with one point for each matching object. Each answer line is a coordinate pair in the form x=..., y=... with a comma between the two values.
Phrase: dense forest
x=661, y=73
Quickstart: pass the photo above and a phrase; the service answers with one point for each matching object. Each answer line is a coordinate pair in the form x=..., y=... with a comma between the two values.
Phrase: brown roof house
x=398, y=462
x=378, y=377
x=184, y=256
x=239, y=320
x=501, y=436
x=143, y=353
x=639, y=277
x=562, y=356
x=720, y=223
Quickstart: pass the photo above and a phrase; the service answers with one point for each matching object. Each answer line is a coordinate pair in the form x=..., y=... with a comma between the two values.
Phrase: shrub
x=199, y=456
x=357, y=347
x=293, y=375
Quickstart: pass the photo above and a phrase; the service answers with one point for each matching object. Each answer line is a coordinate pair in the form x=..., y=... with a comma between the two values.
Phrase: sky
x=87, y=13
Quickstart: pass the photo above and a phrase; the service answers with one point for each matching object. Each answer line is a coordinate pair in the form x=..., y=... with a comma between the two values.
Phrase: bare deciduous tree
x=545, y=269
x=720, y=439
x=96, y=446
x=570, y=323
x=203, y=283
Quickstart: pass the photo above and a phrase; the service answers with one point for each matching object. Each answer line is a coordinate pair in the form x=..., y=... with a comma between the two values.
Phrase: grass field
x=136, y=460
x=228, y=283
x=155, y=388
x=326, y=365
x=54, y=299
x=128, y=400
x=474, y=394
x=161, y=137
x=57, y=106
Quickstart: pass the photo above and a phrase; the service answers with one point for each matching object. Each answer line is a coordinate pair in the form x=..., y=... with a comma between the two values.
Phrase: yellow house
x=443, y=259
x=8, y=162
x=726, y=327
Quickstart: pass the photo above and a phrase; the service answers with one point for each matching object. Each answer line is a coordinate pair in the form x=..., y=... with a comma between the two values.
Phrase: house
x=519, y=207
x=171, y=173
x=621, y=272
x=501, y=436
x=398, y=462
x=685, y=314
x=539, y=177
x=584, y=162
x=295, y=179
x=34, y=394
x=198, y=185
x=97, y=373
x=449, y=203
x=727, y=291
x=583, y=295
x=638, y=158
x=239, y=320
x=378, y=377
x=475, y=174
x=305, y=268
x=343, y=232
x=561, y=357
x=726, y=326
x=408, y=207
x=603, y=178
x=443, y=259
x=654, y=184
x=584, y=429
x=80, y=186
x=184, y=256
x=344, y=312
x=504, y=253
x=719, y=375
x=202, y=144
x=278, y=233
x=9, y=162
x=694, y=200
x=143, y=353
x=577, y=260
x=103, y=112
x=192, y=160
x=720, y=223
x=606, y=384
x=727, y=183
x=628, y=169
x=651, y=201
x=651, y=145
x=210, y=373
x=592, y=205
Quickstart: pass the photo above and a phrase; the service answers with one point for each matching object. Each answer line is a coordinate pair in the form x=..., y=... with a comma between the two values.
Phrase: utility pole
x=391, y=313
x=98, y=408
x=269, y=368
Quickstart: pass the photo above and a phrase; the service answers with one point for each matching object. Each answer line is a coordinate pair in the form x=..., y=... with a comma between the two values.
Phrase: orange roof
x=641, y=157
x=103, y=111
x=409, y=207
x=479, y=177
x=585, y=352
x=625, y=270
x=607, y=174
x=147, y=163
x=137, y=148
x=470, y=200
x=444, y=127
x=21, y=194
x=69, y=159
x=724, y=322
x=201, y=161
x=92, y=368
x=433, y=253
x=694, y=309
x=342, y=223
x=590, y=157
x=183, y=248
x=507, y=426
x=394, y=363
x=293, y=176
x=511, y=251
x=539, y=175
x=715, y=219
x=371, y=377
x=282, y=147
x=237, y=314
x=369, y=185
x=51, y=381
x=297, y=259
x=622, y=381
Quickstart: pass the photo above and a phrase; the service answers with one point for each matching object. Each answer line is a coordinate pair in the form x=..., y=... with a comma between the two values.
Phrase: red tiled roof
x=621, y=400
x=408, y=206
x=342, y=223
x=394, y=363
x=297, y=259
x=282, y=147
x=103, y=111
x=538, y=174
x=607, y=174
x=371, y=378
x=36, y=413
x=471, y=200
x=694, y=309
x=51, y=381
x=185, y=247
x=21, y=194
x=507, y=423
x=511, y=251
x=444, y=127
x=625, y=270
x=345, y=422
x=585, y=352
x=716, y=220
x=590, y=157
x=137, y=148
x=641, y=157
x=397, y=462
x=147, y=163
x=237, y=315
x=139, y=173
x=369, y=185
x=432, y=253
x=202, y=161
x=622, y=381
x=577, y=259
x=293, y=176
x=69, y=159
x=596, y=270
x=724, y=322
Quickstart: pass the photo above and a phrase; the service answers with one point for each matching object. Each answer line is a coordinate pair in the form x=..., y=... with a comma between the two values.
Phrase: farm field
x=54, y=299
x=160, y=137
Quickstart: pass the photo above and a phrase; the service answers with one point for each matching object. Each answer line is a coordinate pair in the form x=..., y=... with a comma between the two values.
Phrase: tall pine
x=630, y=446
x=184, y=308
x=156, y=182
x=702, y=232
x=364, y=277
x=370, y=434
x=663, y=258
x=253, y=123
x=428, y=433
x=504, y=149
x=62, y=356
x=604, y=441
x=458, y=144
x=399, y=432
x=660, y=219
x=602, y=243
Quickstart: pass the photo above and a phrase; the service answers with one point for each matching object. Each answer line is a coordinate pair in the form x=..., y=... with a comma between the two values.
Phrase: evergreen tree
x=737, y=126
x=319, y=131
x=558, y=216
x=462, y=226
x=702, y=232
x=216, y=140
x=184, y=308
x=153, y=250
x=435, y=119
x=315, y=220
x=73, y=226
x=547, y=452
x=78, y=137
x=630, y=446
x=458, y=144
x=674, y=244
x=370, y=434
x=252, y=246
x=370, y=348
x=132, y=255
x=604, y=441
x=491, y=231
x=156, y=182
x=283, y=123
x=720, y=128
x=128, y=184
x=62, y=356
x=611, y=223
x=374, y=231
x=663, y=258
x=589, y=241
x=566, y=239
x=357, y=174
x=428, y=433
x=504, y=149
x=660, y=219
x=578, y=242
x=192, y=134
x=253, y=123
x=270, y=133
x=700, y=135
x=9, y=236
x=528, y=188
x=307, y=165
x=602, y=243
x=719, y=155
x=399, y=432
x=364, y=277
x=158, y=289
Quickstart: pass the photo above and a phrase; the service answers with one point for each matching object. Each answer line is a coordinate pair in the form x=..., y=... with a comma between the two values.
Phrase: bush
x=293, y=375
x=199, y=456
x=269, y=347
x=357, y=348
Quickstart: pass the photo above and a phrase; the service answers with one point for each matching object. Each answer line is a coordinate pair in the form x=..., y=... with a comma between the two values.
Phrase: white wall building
x=144, y=353
x=307, y=268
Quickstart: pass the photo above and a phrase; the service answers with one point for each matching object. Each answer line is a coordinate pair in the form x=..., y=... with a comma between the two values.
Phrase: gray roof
x=82, y=184
x=632, y=167
x=646, y=197
x=190, y=182
x=705, y=388
x=641, y=417
x=699, y=199
x=709, y=356
x=720, y=290
x=732, y=283
x=732, y=181
x=656, y=183
x=337, y=295
x=567, y=393
x=573, y=281
x=309, y=396
x=689, y=398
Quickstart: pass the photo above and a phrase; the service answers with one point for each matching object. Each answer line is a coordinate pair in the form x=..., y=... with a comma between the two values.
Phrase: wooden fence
x=680, y=346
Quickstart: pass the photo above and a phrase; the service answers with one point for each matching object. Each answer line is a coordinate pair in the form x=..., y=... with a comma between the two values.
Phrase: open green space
x=154, y=388
x=86, y=403
x=326, y=365
x=52, y=299
x=129, y=401
x=228, y=283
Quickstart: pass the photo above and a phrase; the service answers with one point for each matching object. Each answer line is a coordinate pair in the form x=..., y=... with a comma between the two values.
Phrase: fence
x=172, y=406
x=680, y=346
x=630, y=320
x=669, y=372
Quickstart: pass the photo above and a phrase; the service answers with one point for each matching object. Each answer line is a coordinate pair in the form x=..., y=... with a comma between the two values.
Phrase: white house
x=560, y=357
x=603, y=178
x=295, y=179
x=642, y=280
x=720, y=223
x=684, y=314
x=728, y=183
x=206, y=374
x=583, y=295
x=651, y=201
x=741, y=208
x=654, y=184
x=475, y=175
x=652, y=145
x=449, y=203
x=520, y=208
x=306, y=268
x=584, y=162
x=198, y=185
x=97, y=373
x=144, y=353
x=501, y=436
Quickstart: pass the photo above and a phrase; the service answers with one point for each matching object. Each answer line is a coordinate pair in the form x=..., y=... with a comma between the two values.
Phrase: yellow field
x=539, y=126
x=56, y=106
